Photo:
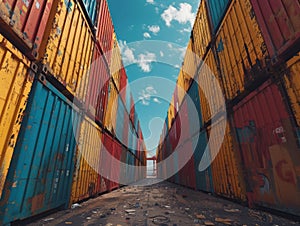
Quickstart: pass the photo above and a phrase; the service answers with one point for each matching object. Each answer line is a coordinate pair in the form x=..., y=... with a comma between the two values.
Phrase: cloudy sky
x=153, y=35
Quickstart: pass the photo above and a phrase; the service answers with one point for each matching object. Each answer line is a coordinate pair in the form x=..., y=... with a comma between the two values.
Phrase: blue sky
x=153, y=35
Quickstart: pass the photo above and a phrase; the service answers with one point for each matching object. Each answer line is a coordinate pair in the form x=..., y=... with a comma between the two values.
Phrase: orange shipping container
x=292, y=85
x=201, y=34
x=16, y=81
x=112, y=108
x=240, y=47
x=116, y=63
x=227, y=174
x=70, y=46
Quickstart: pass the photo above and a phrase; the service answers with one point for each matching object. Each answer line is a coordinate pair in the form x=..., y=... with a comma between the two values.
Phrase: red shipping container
x=123, y=84
x=27, y=24
x=115, y=166
x=269, y=150
x=132, y=110
x=97, y=87
x=279, y=21
x=105, y=30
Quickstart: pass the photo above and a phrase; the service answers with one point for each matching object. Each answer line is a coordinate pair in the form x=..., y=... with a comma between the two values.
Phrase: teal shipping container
x=92, y=9
x=217, y=10
x=40, y=175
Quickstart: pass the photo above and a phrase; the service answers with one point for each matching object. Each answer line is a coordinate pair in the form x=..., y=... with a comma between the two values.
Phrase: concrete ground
x=160, y=204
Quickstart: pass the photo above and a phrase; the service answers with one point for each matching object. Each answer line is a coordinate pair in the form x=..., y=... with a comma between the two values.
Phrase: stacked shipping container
x=61, y=107
x=252, y=50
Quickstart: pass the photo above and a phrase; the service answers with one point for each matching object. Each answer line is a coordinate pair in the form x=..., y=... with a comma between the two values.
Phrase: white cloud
x=185, y=30
x=182, y=15
x=161, y=53
x=156, y=100
x=146, y=94
x=147, y=35
x=154, y=29
x=127, y=53
x=144, y=61
x=156, y=10
x=150, y=1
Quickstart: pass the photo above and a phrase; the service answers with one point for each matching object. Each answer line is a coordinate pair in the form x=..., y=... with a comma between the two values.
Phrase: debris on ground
x=226, y=221
x=75, y=205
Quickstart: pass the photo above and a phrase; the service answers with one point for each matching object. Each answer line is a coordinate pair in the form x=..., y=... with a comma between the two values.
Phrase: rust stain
x=37, y=202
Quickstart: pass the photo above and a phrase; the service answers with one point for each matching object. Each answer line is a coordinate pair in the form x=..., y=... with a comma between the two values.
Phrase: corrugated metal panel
x=190, y=64
x=86, y=181
x=69, y=48
x=115, y=166
x=201, y=34
x=27, y=24
x=131, y=109
x=116, y=64
x=125, y=128
x=269, y=149
x=171, y=113
x=16, y=81
x=111, y=108
x=180, y=88
x=215, y=98
x=227, y=174
x=41, y=171
x=204, y=180
x=105, y=30
x=120, y=120
x=292, y=85
x=97, y=87
x=280, y=23
x=123, y=84
x=92, y=7
x=240, y=48
x=217, y=9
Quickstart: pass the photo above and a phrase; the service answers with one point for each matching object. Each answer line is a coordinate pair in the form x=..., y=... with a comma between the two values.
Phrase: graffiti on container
x=284, y=172
x=279, y=133
x=248, y=133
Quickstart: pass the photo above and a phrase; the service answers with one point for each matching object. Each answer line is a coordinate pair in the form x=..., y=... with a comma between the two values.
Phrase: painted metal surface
x=16, y=81
x=97, y=86
x=27, y=24
x=171, y=113
x=217, y=10
x=206, y=72
x=116, y=63
x=269, y=150
x=41, y=171
x=123, y=84
x=111, y=108
x=240, y=48
x=120, y=122
x=92, y=7
x=86, y=181
x=69, y=49
x=190, y=65
x=279, y=21
x=228, y=180
x=105, y=30
x=291, y=82
x=201, y=34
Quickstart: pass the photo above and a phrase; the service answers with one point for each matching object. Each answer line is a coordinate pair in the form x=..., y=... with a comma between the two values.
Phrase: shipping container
x=86, y=180
x=116, y=165
x=120, y=122
x=180, y=89
x=40, y=175
x=95, y=101
x=116, y=63
x=131, y=109
x=16, y=81
x=111, y=108
x=291, y=82
x=105, y=31
x=123, y=84
x=227, y=174
x=201, y=34
x=171, y=113
x=279, y=21
x=211, y=96
x=190, y=65
x=269, y=150
x=69, y=49
x=27, y=24
x=240, y=49
x=217, y=10
x=92, y=7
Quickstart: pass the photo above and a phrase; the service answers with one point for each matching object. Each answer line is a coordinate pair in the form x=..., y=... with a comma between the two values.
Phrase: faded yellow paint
x=180, y=87
x=171, y=113
x=86, y=180
x=15, y=85
x=292, y=85
x=116, y=63
x=112, y=108
x=201, y=35
x=228, y=180
x=212, y=95
x=69, y=49
x=240, y=48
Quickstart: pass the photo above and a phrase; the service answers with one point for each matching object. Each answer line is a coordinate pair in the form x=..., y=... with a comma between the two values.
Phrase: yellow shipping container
x=240, y=48
x=86, y=180
x=292, y=85
x=228, y=180
x=171, y=113
x=212, y=95
x=69, y=48
x=116, y=63
x=111, y=108
x=16, y=81
x=180, y=87
x=201, y=34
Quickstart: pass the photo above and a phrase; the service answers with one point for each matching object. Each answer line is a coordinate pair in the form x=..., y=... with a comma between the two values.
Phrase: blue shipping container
x=217, y=10
x=92, y=7
x=120, y=120
x=40, y=174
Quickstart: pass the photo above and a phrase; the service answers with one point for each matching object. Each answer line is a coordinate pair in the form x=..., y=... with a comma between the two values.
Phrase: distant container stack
x=252, y=50
x=63, y=111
